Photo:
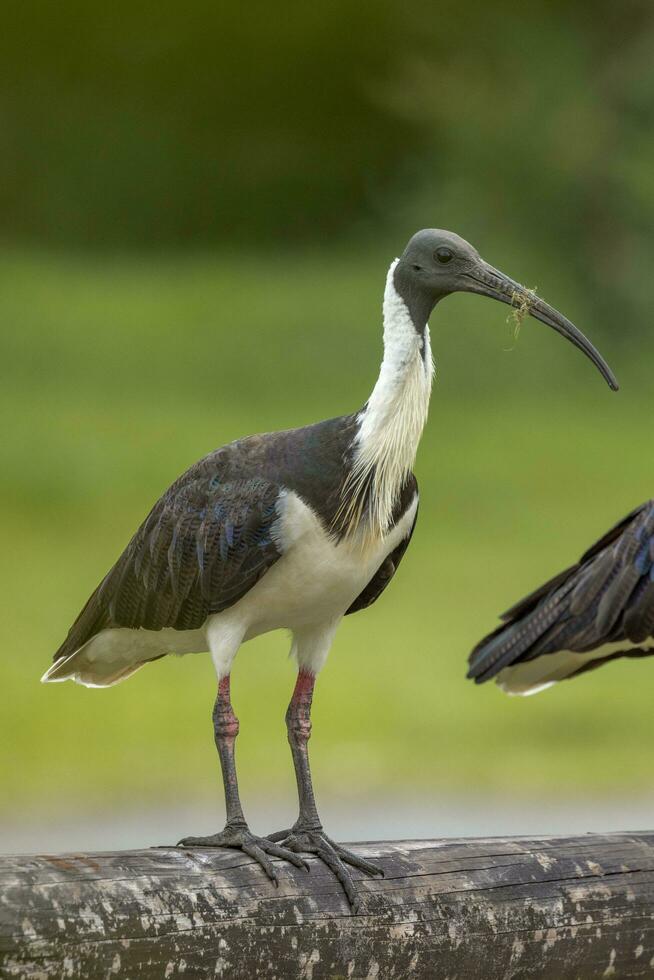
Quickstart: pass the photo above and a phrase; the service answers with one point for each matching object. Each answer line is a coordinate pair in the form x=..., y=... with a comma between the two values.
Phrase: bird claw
x=260, y=849
x=331, y=854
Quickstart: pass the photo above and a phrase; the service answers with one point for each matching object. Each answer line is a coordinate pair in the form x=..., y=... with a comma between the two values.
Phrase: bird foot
x=260, y=848
x=315, y=841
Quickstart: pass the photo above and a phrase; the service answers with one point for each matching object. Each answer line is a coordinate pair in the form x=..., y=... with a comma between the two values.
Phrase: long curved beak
x=487, y=281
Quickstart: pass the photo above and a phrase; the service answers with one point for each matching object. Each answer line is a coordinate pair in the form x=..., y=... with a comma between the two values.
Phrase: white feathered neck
x=392, y=421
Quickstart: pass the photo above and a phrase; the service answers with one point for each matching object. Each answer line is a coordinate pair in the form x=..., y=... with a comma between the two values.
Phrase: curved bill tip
x=491, y=282
x=552, y=318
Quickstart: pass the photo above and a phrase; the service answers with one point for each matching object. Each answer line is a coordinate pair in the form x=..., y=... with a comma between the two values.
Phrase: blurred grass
x=120, y=372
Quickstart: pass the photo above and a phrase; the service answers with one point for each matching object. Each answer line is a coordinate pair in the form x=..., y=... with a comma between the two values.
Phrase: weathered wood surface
x=559, y=907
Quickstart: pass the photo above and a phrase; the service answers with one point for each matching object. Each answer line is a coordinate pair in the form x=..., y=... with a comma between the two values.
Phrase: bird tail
x=515, y=640
x=85, y=667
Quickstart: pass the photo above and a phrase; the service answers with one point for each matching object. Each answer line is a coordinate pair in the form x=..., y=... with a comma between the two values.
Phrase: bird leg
x=236, y=832
x=298, y=727
x=307, y=834
x=225, y=730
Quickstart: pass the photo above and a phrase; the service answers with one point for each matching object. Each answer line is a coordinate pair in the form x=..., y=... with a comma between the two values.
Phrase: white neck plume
x=391, y=424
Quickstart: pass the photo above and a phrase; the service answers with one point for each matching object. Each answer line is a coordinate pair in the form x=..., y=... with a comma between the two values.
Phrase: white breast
x=317, y=578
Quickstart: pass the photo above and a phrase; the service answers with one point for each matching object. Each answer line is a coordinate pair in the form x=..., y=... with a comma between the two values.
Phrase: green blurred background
x=198, y=205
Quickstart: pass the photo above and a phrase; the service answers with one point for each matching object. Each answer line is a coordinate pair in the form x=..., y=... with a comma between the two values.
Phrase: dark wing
x=384, y=573
x=607, y=597
x=204, y=544
x=531, y=601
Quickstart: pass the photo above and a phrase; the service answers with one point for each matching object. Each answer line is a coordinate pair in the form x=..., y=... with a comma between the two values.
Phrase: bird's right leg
x=236, y=832
x=307, y=834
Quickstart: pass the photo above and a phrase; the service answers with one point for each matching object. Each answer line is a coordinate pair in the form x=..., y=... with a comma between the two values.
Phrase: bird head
x=436, y=263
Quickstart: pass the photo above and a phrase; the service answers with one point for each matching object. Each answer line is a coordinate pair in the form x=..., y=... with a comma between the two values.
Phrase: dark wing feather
x=202, y=547
x=614, y=533
x=531, y=601
x=608, y=596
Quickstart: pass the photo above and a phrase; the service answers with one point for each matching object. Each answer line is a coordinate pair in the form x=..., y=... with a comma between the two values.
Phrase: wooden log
x=559, y=907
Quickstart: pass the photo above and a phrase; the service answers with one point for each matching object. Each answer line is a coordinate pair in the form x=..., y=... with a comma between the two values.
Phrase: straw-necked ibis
x=292, y=530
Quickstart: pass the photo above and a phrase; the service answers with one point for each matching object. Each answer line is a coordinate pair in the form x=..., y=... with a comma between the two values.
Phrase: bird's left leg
x=307, y=834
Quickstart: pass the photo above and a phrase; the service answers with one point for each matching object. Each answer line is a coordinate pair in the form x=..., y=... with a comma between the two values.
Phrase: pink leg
x=307, y=834
x=298, y=724
x=225, y=730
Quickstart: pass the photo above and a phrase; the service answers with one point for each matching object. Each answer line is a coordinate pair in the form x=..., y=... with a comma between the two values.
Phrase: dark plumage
x=606, y=598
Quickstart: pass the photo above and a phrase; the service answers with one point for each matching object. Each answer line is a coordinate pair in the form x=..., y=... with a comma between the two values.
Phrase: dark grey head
x=436, y=263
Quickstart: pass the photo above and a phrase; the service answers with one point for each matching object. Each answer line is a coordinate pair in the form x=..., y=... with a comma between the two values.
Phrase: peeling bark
x=558, y=907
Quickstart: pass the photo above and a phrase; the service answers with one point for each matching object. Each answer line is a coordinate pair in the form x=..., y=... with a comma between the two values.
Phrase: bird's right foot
x=313, y=840
x=260, y=848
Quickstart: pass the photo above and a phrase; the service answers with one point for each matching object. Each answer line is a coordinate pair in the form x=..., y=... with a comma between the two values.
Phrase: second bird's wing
x=607, y=597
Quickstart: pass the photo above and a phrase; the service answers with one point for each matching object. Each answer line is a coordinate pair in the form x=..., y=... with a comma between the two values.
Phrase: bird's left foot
x=259, y=848
x=315, y=841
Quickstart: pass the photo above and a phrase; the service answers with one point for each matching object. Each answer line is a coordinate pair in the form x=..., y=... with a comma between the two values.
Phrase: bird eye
x=443, y=254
